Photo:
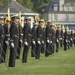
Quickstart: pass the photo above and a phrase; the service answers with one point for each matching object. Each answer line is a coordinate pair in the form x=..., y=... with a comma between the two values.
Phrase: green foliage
x=26, y=3
x=39, y=5
x=2, y=2
x=35, y=5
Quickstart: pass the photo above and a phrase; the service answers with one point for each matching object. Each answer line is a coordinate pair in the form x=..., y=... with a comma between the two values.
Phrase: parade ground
x=61, y=63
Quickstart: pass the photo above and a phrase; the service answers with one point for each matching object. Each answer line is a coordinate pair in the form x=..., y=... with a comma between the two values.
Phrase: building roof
x=69, y=4
x=15, y=7
x=52, y=2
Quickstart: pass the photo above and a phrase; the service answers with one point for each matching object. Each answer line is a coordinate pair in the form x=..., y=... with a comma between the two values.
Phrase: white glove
x=66, y=40
x=26, y=43
x=48, y=41
x=21, y=34
x=42, y=42
x=71, y=39
x=7, y=34
x=7, y=43
x=12, y=45
x=33, y=42
x=39, y=42
x=21, y=41
x=57, y=40
x=60, y=38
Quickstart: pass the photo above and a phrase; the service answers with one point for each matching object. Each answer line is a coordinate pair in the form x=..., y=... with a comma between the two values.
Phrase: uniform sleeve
x=6, y=29
x=12, y=31
x=38, y=32
x=47, y=32
x=33, y=33
x=57, y=34
x=25, y=32
x=0, y=35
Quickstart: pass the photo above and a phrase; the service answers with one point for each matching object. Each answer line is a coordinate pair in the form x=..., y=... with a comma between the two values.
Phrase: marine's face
x=49, y=23
x=41, y=23
x=28, y=21
x=36, y=27
x=16, y=20
x=1, y=21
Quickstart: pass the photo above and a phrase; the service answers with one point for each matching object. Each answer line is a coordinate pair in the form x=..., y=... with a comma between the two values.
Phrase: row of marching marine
x=39, y=39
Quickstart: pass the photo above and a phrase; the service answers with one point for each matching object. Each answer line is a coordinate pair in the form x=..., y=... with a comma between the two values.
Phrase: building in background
x=15, y=8
x=61, y=12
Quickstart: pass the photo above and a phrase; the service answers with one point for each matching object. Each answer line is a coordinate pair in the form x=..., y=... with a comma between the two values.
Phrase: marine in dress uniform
x=68, y=38
x=43, y=42
x=53, y=37
x=27, y=34
x=48, y=39
x=57, y=38
x=53, y=33
x=6, y=41
x=33, y=43
x=14, y=36
x=65, y=39
x=61, y=36
x=20, y=42
x=39, y=39
x=74, y=37
x=1, y=37
x=71, y=38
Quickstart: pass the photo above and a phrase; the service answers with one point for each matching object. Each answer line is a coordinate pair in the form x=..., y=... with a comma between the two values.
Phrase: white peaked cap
x=16, y=15
x=53, y=24
x=49, y=21
x=28, y=18
x=58, y=26
x=41, y=20
x=1, y=17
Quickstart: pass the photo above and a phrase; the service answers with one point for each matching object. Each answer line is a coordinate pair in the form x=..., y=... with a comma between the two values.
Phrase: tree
x=27, y=3
x=2, y=2
x=39, y=5
x=35, y=5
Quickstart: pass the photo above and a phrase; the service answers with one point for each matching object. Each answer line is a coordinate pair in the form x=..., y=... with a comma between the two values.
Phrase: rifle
x=3, y=60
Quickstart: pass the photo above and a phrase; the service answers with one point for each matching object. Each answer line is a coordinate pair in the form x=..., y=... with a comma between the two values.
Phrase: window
x=55, y=7
x=67, y=8
x=67, y=17
x=73, y=8
x=55, y=17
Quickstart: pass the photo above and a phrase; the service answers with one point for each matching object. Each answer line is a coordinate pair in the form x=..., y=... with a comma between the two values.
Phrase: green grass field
x=61, y=63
